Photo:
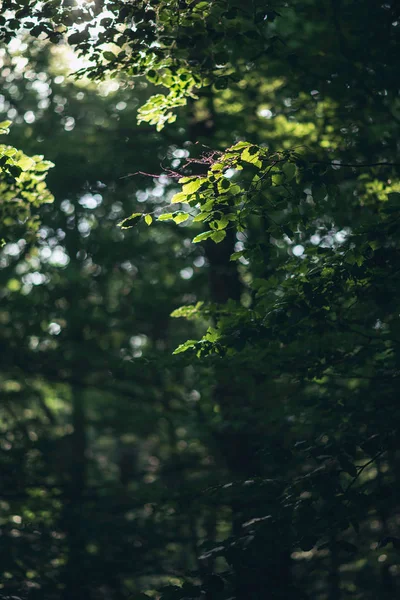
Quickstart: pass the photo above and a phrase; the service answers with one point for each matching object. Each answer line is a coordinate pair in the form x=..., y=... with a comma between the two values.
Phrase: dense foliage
x=22, y=187
x=200, y=340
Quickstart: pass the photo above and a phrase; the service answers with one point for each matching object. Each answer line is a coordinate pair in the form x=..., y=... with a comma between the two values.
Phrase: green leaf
x=289, y=170
x=350, y=258
x=26, y=163
x=201, y=6
x=4, y=126
x=235, y=190
x=203, y=236
x=212, y=334
x=239, y=146
x=148, y=219
x=218, y=236
x=181, y=217
x=42, y=165
x=219, y=224
x=77, y=38
x=193, y=186
x=188, y=345
x=188, y=311
x=251, y=155
x=179, y=197
x=277, y=179
x=130, y=221
x=166, y=217
x=201, y=217
x=157, y=110
x=109, y=55
x=237, y=255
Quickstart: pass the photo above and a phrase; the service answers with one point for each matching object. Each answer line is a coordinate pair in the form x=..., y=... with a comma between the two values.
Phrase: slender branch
x=355, y=165
x=361, y=469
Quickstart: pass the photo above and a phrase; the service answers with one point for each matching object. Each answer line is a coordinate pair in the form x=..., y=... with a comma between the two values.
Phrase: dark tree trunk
x=257, y=577
x=76, y=577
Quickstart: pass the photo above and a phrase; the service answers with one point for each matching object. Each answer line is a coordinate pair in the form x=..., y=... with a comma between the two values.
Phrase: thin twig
x=355, y=165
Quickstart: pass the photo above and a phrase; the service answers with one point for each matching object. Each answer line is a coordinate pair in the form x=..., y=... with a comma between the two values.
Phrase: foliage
x=22, y=186
x=179, y=44
x=246, y=448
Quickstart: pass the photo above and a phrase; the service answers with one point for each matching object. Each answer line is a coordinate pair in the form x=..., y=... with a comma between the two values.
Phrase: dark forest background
x=261, y=459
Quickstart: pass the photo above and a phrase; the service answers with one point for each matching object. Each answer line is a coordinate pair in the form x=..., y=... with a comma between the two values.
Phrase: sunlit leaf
x=181, y=217
x=130, y=221
x=166, y=217
x=202, y=236
x=179, y=197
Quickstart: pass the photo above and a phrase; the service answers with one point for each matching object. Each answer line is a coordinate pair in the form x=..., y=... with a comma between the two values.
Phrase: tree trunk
x=257, y=577
x=76, y=579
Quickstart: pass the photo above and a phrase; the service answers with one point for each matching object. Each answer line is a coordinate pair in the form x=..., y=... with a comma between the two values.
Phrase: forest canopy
x=200, y=323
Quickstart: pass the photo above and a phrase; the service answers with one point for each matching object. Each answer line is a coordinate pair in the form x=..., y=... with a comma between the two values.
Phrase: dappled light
x=199, y=314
